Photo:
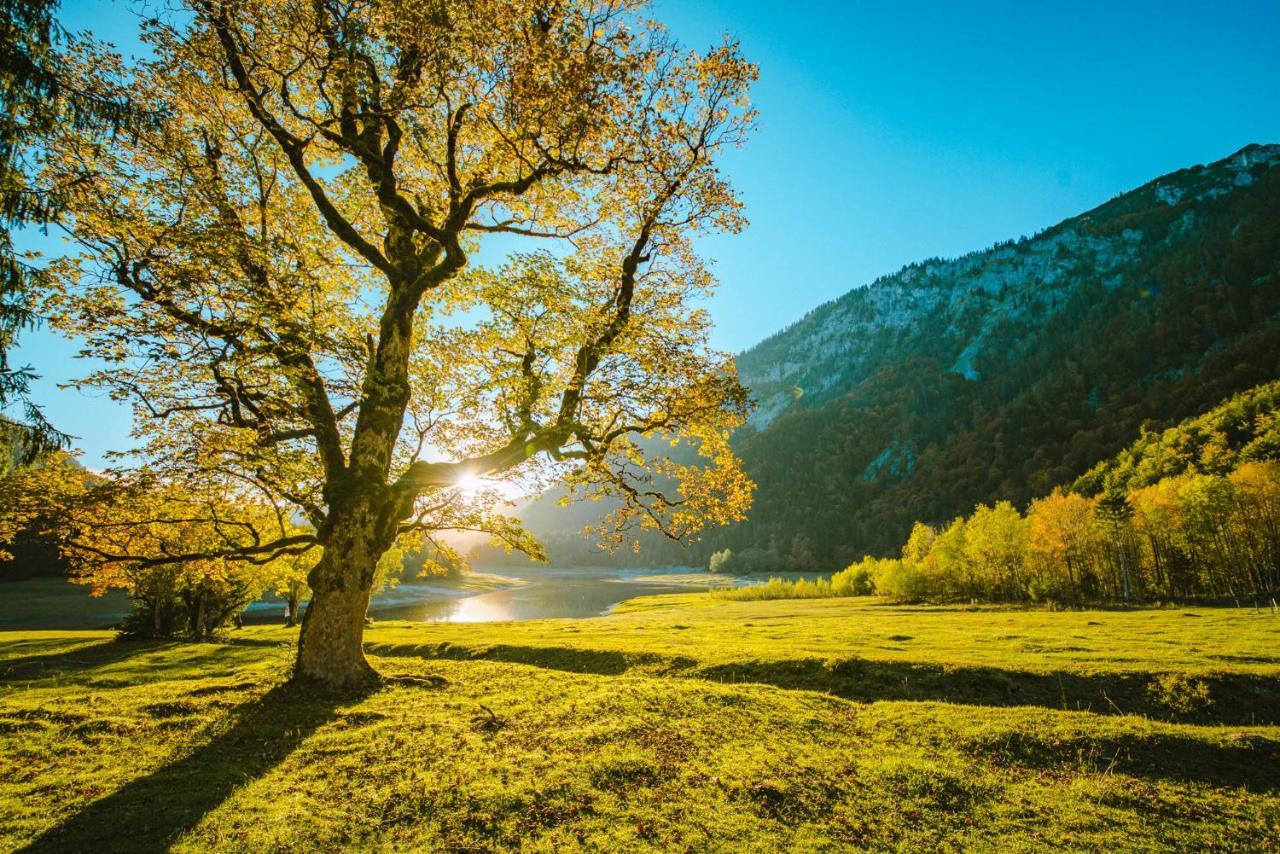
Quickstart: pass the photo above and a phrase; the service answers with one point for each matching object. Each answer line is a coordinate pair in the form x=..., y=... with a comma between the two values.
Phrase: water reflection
x=544, y=593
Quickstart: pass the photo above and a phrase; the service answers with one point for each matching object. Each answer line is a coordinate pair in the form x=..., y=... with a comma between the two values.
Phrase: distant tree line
x=1184, y=536
x=1190, y=535
x=1189, y=511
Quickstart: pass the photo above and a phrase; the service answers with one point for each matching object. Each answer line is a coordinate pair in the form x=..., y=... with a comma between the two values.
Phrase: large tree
x=280, y=274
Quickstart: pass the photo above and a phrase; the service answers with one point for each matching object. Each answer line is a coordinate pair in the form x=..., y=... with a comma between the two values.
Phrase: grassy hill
x=684, y=722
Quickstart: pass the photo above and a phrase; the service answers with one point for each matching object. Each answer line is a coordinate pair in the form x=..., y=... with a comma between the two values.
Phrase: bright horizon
x=887, y=137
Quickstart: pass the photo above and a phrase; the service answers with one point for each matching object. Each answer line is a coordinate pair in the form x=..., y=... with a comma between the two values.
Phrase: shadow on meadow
x=61, y=661
x=1249, y=762
x=1217, y=698
x=568, y=659
x=149, y=813
x=115, y=662
x=1240, y=699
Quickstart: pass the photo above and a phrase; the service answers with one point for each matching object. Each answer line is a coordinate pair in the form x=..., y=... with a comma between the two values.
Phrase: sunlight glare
x=471, y=484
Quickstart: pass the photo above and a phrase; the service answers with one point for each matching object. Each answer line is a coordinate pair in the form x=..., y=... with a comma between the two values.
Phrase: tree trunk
x=200, y=616
x=364, y=517
x=330, y=646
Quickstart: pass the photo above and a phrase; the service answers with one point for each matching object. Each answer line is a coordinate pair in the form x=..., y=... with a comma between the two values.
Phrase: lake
x=540, y=593
x=536, y=593
x=493, y=594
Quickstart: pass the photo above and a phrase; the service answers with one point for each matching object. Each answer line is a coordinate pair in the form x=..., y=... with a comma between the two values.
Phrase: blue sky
x=894, y=132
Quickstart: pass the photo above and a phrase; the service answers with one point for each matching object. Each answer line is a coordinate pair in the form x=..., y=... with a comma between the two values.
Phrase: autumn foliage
x=280, y=276
x=1191, y=535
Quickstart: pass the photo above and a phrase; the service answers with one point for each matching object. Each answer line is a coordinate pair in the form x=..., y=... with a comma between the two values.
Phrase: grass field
x=680, y=723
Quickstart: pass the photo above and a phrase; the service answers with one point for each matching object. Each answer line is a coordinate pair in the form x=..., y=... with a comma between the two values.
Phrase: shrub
x=854, y=580
x=1181, y=694
x=777, y=588
x=169, y=602
x=902, y=579
x=746, y=562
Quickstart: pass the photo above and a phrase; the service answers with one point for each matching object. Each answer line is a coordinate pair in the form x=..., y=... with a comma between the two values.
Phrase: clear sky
x=892, y=132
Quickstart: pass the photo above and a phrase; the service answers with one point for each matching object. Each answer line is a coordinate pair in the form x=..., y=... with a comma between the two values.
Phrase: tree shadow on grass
x=115, y=663
x=266, y=643
x=568, y=659
x=1242, y=699
x=1249, y=762
x=148, y=814
x=66, y=662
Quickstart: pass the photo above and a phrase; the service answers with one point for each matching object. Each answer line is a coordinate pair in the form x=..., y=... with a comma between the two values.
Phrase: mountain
x=1003, y=373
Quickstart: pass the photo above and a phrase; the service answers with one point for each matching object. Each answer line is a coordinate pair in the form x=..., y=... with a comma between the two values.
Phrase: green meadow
x=682, y=722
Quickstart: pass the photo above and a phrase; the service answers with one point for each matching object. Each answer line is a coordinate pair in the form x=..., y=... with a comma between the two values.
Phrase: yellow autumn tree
x=995, y=544
x=286, y=577
x=280, y=275
x=1059, y=530
x=1255, y=526
x=1159, y=526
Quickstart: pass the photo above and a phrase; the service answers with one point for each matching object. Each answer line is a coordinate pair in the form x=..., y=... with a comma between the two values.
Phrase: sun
x=472, y=483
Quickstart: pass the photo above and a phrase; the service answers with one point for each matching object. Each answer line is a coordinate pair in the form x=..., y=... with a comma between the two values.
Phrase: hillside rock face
x=1006, y=372
x=958, y=309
